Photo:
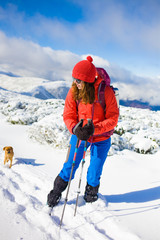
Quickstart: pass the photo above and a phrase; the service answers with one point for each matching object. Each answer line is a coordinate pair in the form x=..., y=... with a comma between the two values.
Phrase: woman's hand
x=83, y=133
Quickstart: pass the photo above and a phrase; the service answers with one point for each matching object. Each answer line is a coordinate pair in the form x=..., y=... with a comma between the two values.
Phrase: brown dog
x=8, y=155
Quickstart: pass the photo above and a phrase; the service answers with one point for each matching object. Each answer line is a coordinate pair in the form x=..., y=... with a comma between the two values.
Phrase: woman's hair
x=86, y=94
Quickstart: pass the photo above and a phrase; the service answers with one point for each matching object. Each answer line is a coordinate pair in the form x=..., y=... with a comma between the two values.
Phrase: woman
x=82, y=103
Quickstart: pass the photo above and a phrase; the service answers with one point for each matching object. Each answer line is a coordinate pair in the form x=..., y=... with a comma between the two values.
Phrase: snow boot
x=54, y=196
x=91, y=193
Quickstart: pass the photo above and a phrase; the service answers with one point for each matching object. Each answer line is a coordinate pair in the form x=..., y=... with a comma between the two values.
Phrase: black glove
x=83, y=133
x=89, y=127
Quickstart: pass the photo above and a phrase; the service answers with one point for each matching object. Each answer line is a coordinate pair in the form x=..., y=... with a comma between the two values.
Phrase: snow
x=36, y=87
x=129, y=195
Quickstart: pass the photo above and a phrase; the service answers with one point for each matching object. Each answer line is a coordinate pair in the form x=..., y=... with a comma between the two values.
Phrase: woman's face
x=79, y=84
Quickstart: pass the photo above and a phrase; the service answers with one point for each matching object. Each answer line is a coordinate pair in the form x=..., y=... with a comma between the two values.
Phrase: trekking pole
x=69, y=183
x=80, y=179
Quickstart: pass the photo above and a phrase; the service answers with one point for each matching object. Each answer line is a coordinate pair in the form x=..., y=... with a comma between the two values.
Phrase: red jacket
x=104, y=121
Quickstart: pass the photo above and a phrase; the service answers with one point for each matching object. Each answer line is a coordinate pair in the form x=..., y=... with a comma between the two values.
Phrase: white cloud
x=145, y=92
x=135, y=25
x=127, y=34
x=102, y=23
x=28, y=59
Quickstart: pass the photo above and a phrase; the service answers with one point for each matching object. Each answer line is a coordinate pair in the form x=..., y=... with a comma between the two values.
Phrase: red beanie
x=85, y=70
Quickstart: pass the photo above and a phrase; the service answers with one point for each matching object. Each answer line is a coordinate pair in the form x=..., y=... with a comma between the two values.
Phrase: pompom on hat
x=85, y=70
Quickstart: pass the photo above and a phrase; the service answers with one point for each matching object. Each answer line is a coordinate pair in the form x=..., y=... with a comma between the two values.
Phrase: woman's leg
x=66, y=170
x=61, y=181
x=99, y=151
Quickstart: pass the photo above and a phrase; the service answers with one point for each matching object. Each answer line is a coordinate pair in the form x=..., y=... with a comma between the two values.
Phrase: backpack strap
x=101, y=89
x=101, y=95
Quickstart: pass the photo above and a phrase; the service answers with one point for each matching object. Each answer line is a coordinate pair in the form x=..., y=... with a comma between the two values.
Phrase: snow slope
x=36, y=87
x=129, y=199
x=23, y=190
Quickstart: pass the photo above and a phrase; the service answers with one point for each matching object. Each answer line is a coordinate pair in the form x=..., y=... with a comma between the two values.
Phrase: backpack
x=101, y=89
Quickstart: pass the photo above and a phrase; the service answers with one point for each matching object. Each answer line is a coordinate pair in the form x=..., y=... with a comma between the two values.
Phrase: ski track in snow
x=24, y=189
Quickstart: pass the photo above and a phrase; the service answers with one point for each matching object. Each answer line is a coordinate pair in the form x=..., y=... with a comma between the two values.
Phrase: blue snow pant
x=98, y=155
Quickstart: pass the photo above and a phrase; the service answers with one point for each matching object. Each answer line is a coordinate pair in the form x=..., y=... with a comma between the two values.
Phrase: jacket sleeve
x=111, y=114
x=70, y=115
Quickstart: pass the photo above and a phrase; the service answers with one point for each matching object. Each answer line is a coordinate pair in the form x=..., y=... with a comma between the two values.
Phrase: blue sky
x=126, y=33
